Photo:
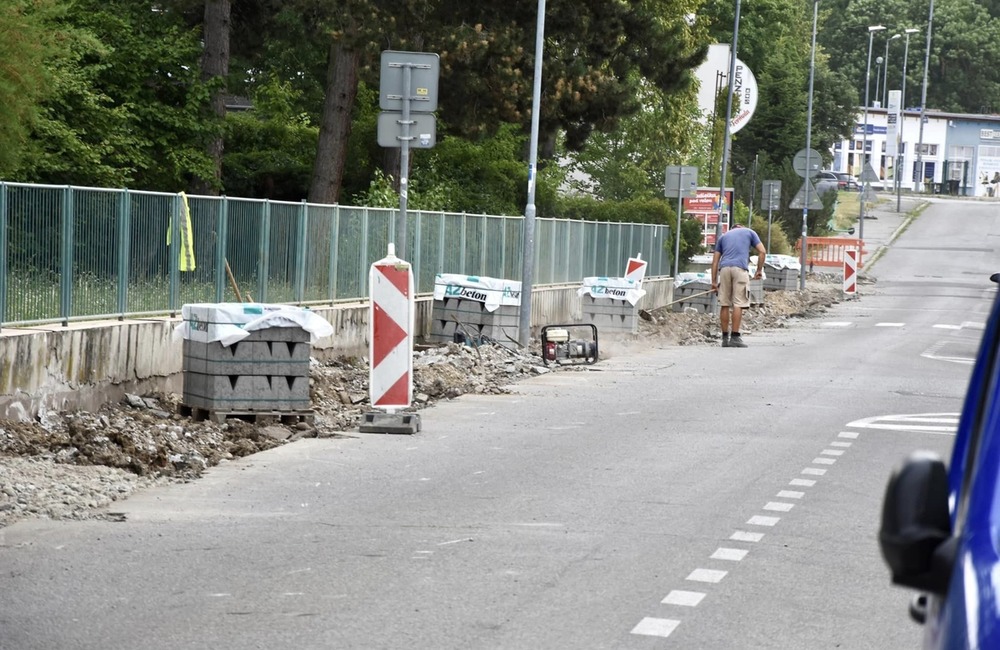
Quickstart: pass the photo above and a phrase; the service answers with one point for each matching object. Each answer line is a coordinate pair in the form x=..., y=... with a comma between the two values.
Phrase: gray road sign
x=423, y=130
x=680, y=182
x=770, y=196
x=868, y=174
x=815, y=203
x=424, y=70
x=799, y=163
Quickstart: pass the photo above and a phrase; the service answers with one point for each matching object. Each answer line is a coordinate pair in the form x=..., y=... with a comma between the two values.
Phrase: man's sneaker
x=736, y=342
x=725, y=341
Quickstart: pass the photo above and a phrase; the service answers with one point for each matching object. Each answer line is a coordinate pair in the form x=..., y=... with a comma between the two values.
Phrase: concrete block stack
x=691, y=295
x=782, y=272
x=610, y=314
x=475, y=309
x=268, y=371
x=247, y=359
x=611, y=304
x=464, y=320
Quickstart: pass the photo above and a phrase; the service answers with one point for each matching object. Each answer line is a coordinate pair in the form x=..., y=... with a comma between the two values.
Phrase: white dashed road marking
x=707, y=575
x=729, y=554
x=664, y=627
x=656, y=627
x=760, y=520
x=683, y=598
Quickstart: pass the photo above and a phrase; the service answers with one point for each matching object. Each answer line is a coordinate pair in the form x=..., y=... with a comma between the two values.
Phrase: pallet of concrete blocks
x=475, y=310
x=248, y=360
x=611, y=304
x=781, y=272
x=693, y=292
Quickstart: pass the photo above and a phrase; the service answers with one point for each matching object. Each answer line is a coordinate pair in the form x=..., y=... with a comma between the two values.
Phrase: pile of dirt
x=71, y=465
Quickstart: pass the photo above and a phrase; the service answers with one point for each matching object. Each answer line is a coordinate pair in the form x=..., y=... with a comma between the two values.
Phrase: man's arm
x=715, y=270
x=761, y=253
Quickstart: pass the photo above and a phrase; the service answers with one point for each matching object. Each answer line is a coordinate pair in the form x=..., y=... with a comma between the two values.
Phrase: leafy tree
x=126, y=107
x=629, y=161
x=29, y=40
x=269, y=150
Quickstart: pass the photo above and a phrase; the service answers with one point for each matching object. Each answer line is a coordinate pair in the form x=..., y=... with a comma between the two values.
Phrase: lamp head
x=878, y=60
x=875, y=28
x=912, y=30
x=894, y=37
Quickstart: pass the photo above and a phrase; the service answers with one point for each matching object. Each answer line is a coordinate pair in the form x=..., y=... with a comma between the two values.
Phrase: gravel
x=75, y=465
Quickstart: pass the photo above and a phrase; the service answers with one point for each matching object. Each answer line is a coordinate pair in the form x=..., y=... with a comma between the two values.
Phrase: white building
x=961, y=152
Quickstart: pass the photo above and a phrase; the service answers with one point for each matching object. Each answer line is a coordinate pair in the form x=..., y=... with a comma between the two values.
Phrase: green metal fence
x=77, y=253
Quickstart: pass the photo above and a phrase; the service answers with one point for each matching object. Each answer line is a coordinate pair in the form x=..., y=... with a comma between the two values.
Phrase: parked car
x=826, y=182
x=939, y=524
x=845, y=181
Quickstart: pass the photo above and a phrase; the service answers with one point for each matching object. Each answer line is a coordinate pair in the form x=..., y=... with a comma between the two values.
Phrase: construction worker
x=731, y=279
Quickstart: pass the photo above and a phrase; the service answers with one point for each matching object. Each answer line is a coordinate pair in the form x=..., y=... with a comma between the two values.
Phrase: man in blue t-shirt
x=731, y=279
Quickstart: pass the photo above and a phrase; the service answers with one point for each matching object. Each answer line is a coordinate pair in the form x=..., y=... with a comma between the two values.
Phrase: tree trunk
x=215, y=66
x=335, y=127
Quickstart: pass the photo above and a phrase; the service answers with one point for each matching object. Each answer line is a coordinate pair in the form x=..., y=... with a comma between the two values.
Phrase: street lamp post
x=807, y=179
x=878, y=80
x=923, y=101
x=885, y=71
x=902, y=121
x=864, y=146
x=528, y=236
x=729, y=117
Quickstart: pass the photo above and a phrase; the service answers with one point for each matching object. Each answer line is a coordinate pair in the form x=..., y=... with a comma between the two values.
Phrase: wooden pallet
x=258, y=417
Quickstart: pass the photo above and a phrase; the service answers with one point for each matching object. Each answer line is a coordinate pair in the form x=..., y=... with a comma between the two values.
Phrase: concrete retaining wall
x=84, y=365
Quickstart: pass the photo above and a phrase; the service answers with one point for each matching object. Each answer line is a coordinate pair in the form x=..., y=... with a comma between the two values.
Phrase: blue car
x=940, y=531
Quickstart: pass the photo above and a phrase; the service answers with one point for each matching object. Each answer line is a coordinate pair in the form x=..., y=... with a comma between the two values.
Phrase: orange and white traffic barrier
x=850, y=271
x=390, y=336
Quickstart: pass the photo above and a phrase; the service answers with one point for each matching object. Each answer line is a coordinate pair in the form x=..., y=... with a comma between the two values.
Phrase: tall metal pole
x=864, y=146
x=885, y=71
x=900, y=158
x=923, y=102
x=404, y=163
x=729, y=117
x=807, y=180
x=528, y=236
x=878, y=80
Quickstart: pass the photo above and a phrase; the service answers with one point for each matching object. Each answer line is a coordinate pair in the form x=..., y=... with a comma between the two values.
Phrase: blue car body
x=967, y=615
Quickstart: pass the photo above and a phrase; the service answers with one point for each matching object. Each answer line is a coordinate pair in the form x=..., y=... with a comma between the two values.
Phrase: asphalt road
x=684, y=497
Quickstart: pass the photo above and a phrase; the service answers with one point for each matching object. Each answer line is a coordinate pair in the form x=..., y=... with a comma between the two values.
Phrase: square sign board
x=424, y=69
x=423, y=131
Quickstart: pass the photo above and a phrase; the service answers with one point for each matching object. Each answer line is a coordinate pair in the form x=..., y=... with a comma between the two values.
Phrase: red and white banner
x=850, y=271
x=390, y=335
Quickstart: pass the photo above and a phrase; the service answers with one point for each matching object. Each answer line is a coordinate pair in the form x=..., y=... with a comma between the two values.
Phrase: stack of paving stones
x=686, y=298
x=781, y=279
x=613, y=315
x=462, y=320
x=265, y=373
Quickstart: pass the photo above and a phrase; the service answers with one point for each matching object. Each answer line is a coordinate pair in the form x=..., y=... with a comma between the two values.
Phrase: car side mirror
x=995, y=277
x=915, y=536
